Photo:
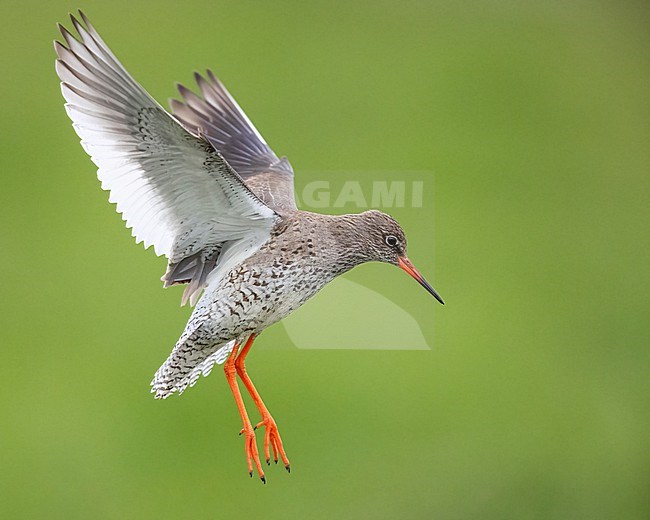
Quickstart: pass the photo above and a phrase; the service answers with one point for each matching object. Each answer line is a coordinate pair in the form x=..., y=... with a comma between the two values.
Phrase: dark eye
x=391, y=240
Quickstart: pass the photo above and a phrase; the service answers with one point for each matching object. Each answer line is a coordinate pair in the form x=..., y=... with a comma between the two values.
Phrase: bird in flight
x=201, y=185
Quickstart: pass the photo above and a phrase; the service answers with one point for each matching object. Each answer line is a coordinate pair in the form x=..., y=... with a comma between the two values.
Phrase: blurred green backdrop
x=534, y=402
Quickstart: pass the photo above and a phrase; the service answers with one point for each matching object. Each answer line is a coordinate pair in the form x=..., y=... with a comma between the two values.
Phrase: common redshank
x=201, y=185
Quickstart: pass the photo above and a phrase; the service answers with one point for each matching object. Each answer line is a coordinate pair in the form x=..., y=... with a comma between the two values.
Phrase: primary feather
x=173, y=188
x=217, y=117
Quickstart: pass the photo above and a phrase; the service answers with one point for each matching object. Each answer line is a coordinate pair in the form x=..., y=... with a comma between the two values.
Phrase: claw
x=252, y=456
x=272, y=441
x=263, y=479
x=288, y=468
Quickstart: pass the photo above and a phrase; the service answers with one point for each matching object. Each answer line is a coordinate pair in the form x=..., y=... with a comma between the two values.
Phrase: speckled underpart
x=304, y=253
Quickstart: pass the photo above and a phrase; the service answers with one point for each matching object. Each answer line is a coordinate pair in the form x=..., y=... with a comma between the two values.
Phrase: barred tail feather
x=185, y=365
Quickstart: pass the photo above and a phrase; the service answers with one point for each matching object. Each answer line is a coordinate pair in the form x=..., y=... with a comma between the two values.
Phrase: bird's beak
x=406, y=264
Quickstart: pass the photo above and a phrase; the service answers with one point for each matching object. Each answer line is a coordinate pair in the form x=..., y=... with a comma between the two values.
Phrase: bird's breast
x=277, y=279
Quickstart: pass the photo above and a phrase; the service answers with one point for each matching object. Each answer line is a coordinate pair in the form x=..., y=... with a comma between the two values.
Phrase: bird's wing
x=217, y=117
x=175, y=191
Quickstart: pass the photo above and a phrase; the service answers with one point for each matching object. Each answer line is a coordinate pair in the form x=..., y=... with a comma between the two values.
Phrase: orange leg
x=250, y=446
x=271, y=435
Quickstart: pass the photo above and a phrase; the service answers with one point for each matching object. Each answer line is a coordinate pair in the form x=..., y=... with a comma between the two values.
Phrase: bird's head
x=386, y=242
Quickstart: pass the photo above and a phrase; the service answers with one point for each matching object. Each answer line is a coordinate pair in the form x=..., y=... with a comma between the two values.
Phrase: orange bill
x=406, y=264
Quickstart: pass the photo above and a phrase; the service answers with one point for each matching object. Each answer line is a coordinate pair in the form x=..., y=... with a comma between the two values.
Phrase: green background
x=534, y=402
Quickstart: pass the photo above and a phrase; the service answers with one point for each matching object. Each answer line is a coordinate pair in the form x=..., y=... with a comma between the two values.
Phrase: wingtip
x=201, y=81
x=58, y=63
x=58, y=46
x=67, y=35
x=74, y=21
x=182, y=89
x=186, y=93
x=212, y=77
x=89, y=26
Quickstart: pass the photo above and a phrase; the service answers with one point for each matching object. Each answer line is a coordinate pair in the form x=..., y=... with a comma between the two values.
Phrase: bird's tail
x=185, y=364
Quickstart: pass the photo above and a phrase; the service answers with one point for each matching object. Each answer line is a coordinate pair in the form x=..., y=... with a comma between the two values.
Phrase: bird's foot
x=252, y=455
x=272, y=440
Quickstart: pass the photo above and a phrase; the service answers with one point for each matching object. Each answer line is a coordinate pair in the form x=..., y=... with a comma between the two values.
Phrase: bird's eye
x=391, y=240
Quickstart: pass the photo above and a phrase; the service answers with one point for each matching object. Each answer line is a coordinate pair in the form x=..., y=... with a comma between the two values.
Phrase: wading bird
x=202, y=186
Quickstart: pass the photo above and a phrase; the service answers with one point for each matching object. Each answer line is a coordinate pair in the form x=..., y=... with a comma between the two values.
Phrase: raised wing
x=217, y=117
x=175, y=191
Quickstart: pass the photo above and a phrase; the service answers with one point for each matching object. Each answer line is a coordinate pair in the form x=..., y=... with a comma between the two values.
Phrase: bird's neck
x=348, y=241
